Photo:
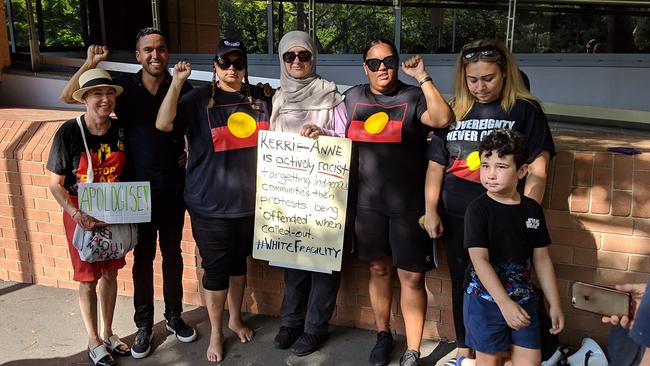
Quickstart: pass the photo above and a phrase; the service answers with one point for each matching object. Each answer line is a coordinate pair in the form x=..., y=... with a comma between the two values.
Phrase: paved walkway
x=42, y=326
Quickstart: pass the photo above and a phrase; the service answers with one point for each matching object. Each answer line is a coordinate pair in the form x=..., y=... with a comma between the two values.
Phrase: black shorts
x=224, y=245
x=380, y=234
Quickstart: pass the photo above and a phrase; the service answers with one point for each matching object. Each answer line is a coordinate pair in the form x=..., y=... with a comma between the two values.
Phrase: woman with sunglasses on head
x=389, y=122
x=311, y=106
x=221, y=123
x=488, y=94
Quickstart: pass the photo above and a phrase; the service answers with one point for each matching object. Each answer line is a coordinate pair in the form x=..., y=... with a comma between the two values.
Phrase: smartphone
x=600, y=300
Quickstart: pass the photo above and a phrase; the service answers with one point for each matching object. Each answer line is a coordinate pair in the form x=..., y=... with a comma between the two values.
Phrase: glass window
x=575, y=29
x=61, y=23
x=20, y=25
x=245, y=20
x=58, y=24
x=446, y=30
x=349, y=28
x=288, y=16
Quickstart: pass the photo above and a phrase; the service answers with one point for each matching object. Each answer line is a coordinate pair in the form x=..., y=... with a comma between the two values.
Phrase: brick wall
x=596, y=206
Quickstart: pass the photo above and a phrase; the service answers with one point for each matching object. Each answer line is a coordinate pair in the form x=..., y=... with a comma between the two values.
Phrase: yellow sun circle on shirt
x=241, y=125
x=376, y=123
x=473, y=161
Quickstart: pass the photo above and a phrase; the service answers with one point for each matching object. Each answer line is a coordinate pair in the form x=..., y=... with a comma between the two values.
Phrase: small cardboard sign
x=116, y=203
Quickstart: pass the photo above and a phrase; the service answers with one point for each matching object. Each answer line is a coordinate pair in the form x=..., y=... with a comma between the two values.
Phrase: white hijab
x=299, y=101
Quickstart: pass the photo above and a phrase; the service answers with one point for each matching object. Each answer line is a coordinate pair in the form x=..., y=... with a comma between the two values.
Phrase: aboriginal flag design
x=467, y=169
x=377, y=123
x=236, y=126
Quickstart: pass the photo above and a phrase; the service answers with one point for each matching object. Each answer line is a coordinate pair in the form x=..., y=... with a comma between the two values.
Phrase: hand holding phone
x=636, y=291
x=600, y=300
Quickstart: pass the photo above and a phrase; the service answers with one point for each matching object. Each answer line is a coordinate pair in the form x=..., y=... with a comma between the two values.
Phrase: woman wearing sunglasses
x=488, y=94
x=221, y=123
x=389, y=122
x=311, y=106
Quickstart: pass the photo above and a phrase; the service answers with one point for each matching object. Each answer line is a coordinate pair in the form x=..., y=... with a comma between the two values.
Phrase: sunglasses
x=389, y=61
x=290, y=57
x=471, y=54
x=224, y=63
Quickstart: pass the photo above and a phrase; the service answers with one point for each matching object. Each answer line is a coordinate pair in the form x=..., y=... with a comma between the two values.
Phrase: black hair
x=372, y=44
x=146, y=32
x=505, y=142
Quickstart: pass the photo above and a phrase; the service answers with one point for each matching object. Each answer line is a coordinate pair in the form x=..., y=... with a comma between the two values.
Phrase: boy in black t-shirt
x=506, y=235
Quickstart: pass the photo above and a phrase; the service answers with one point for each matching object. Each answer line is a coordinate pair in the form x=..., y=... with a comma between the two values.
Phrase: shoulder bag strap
x=89, y=172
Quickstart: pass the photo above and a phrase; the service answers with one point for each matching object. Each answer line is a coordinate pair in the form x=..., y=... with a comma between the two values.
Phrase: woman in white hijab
x=306, y=104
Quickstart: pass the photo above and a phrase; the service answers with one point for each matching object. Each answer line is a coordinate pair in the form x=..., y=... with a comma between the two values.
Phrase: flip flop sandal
x=100, y=356
x=116, y=346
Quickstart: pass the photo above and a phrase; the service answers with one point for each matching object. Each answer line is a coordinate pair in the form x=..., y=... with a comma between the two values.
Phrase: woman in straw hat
x=68, y=163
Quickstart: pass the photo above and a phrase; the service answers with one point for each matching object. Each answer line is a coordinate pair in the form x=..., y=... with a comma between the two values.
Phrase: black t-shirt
x=68, y=154
x=462, y=182
x=510, y=233
x=153, y=154
x=391, y=142
x=222, y=161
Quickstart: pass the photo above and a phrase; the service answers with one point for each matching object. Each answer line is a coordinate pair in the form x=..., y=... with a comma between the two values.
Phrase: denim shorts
x=487, y=330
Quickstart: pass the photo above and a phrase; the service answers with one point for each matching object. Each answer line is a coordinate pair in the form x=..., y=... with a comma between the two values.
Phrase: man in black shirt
x=157, y=157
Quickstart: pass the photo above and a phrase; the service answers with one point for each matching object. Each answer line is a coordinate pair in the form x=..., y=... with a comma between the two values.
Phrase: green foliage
x=61, y=23
x=244, y=20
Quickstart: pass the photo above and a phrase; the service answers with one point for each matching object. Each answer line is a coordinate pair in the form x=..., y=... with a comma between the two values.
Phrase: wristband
x=424, y=80
x=75, y=213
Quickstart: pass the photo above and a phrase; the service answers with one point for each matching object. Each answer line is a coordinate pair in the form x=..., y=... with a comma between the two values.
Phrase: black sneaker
x=410, y=358
x=307, y=343
x=382, y=349
x=184, y=332
x=286, y=337
x=142, y=344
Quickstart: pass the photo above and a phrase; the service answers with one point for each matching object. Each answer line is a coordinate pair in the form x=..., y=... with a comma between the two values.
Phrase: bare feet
x=215, y=349
x=242, y=330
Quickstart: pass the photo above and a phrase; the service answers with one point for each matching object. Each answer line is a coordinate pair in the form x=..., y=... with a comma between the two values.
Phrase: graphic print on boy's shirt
x=377, y=123
x=236, y=126
x=469, y=134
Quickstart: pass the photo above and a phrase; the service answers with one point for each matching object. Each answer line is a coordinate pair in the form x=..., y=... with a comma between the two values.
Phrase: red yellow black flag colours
x=377, y=123
x=236, y=126
x=467, y=169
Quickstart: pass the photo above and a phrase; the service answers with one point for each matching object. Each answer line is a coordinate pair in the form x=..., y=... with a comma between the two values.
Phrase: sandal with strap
x=100, y=356
x=116, y=346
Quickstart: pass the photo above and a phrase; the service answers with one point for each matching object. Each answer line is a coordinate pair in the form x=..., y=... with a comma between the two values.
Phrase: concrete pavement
x=42, y=326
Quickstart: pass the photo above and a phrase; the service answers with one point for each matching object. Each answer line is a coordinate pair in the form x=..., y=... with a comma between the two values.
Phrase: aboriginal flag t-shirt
x=222, y=159
x=68, y=154
x=391, y=142
x=462, y=183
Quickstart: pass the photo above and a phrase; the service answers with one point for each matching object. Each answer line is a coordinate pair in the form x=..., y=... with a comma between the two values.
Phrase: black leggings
x=458, y=259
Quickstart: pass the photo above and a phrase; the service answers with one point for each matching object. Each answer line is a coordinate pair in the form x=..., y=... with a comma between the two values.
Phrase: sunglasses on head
x=389, y=61
x=487, y=51
x=224, y=63
x=303, y=56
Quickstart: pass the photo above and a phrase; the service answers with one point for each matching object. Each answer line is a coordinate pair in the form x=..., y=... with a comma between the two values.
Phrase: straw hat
x=94, y=78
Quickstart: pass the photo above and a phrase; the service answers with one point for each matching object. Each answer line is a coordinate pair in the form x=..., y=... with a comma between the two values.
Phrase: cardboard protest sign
x=116, y=203
x=302, y=194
